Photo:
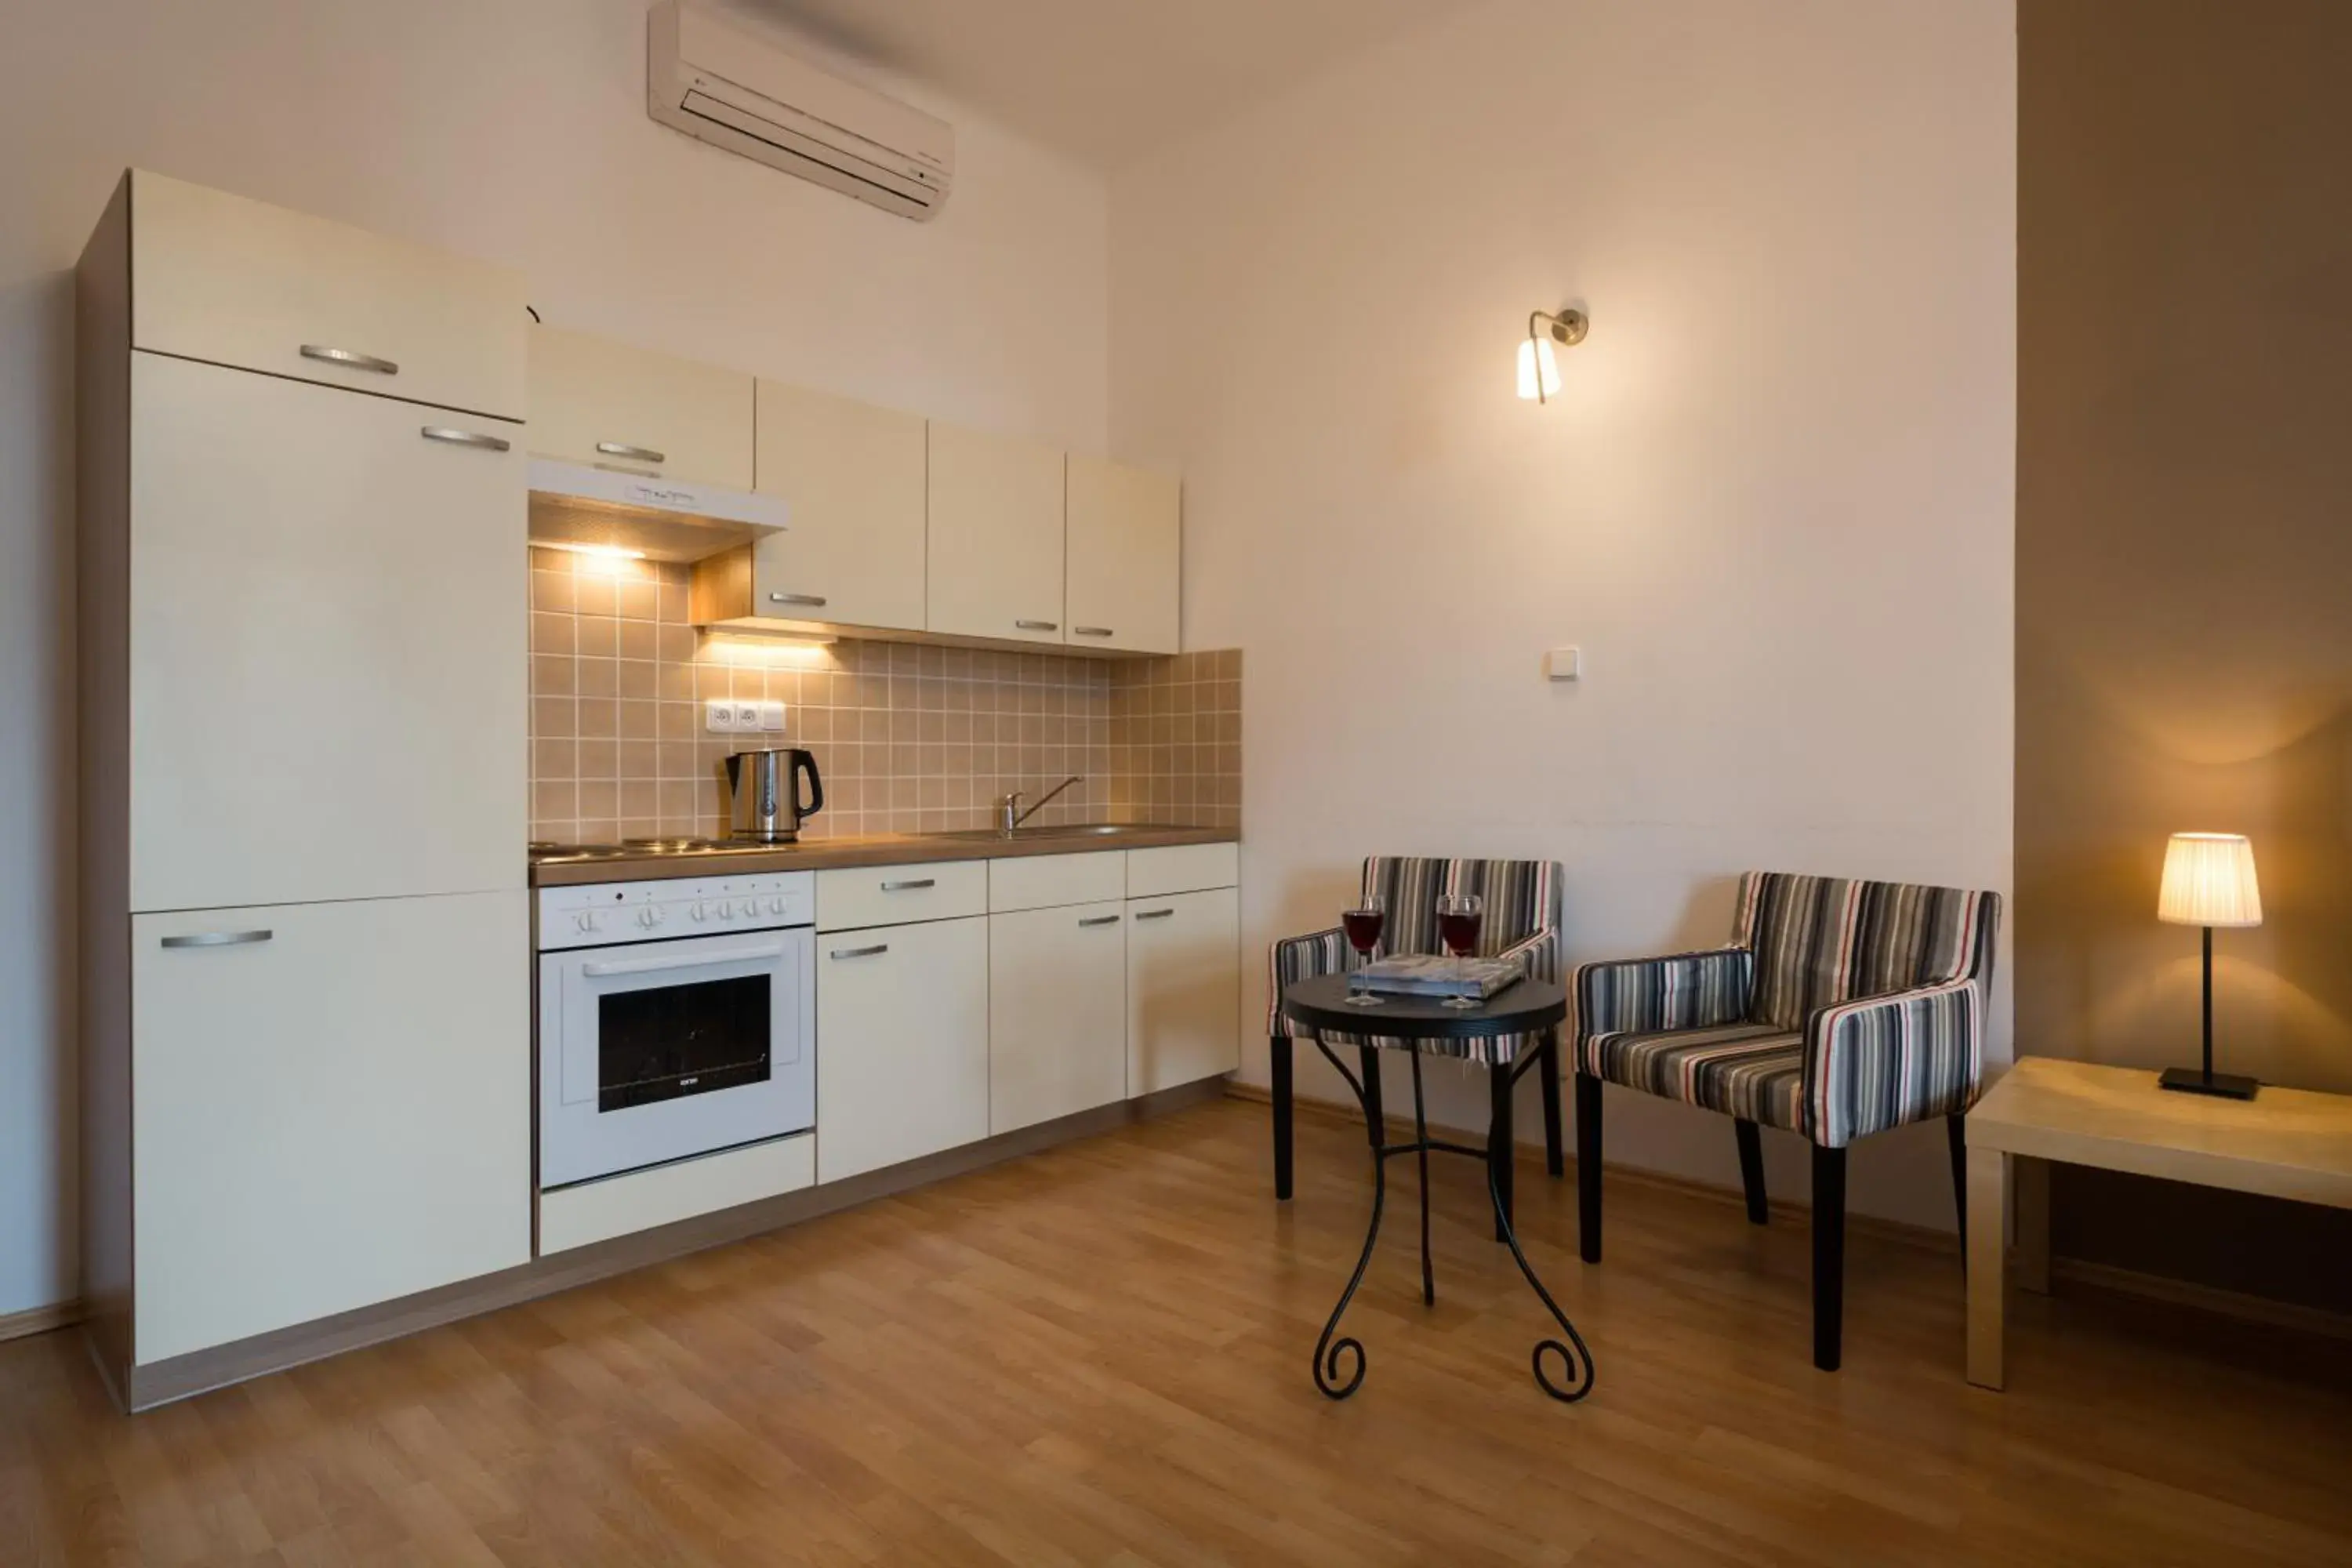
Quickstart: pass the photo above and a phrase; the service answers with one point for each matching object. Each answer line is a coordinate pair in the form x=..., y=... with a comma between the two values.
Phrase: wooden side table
x=2285, y=1143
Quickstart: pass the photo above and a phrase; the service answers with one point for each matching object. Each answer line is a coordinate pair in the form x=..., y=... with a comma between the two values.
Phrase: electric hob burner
x=675, y=846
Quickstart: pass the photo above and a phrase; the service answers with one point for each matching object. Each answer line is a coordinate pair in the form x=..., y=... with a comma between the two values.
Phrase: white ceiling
x=1102, y=80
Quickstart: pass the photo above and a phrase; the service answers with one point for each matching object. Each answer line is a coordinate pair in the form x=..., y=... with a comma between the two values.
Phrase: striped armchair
x=1840, y=1008
x=1522, y=920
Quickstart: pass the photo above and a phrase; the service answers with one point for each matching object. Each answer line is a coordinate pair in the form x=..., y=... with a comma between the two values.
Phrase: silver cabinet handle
x=1100, y=921
x=635, y=454
x=218, y=939
x=1153, y=914
x=916, y=885
x=817, y=599
x=466, y=438
x=879, y=947
x=349, y=358
x=1090, y=631
x=1039, y=626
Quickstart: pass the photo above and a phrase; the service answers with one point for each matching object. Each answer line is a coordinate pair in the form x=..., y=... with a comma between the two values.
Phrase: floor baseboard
x=39, y=1319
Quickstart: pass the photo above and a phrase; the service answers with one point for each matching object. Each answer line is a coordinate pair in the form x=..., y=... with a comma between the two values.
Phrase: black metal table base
x=1336, y=1352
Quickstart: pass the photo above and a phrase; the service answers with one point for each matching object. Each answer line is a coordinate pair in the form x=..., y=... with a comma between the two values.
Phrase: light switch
x=719, y=716
x=771, y=717
x=1563, y=664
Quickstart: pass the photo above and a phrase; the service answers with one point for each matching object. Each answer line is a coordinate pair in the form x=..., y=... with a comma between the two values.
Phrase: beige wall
x=513, y=131
x=2184, y=648
x=1773, y=503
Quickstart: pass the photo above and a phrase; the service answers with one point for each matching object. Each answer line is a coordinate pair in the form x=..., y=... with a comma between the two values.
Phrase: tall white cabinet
x=306, y=1038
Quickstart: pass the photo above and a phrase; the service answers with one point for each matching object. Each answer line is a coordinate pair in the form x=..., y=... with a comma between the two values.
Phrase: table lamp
x=2209, y=880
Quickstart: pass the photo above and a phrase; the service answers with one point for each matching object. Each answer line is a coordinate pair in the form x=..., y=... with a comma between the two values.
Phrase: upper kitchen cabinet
x=996, y=536
x=240, y=283
x=1125, y=532
x=605, y=403
x=853, y=477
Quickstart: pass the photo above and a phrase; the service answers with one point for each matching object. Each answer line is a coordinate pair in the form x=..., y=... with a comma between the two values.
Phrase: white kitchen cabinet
x=996, y=536
x=853, y=477
x=1183, y=988
x=1125, y=531
x=327, y=644
x=331, y=1108
x=240, y=283
x=1056, y=1013
x=902, y=1044
x=606, y=404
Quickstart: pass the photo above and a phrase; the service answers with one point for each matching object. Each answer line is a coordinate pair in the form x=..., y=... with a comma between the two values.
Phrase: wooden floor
x=1100, y=1355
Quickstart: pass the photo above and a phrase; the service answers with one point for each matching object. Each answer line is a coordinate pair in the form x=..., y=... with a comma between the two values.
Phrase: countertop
x=866, y=849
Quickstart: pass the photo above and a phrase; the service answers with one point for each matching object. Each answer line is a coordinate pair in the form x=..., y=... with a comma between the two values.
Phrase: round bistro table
x=1319, y=1003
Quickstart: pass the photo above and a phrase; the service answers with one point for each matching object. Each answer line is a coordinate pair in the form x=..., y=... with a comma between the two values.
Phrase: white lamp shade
x=2209, y=880
x=1536, y=358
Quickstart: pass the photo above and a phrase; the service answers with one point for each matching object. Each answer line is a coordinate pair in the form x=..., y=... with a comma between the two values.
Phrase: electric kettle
x=766, y=788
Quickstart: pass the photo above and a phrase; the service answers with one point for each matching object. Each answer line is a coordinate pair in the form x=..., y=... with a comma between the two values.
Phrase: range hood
x=575, y=506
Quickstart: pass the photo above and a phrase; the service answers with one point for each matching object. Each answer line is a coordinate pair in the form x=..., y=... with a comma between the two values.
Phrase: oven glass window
x=670, y=1041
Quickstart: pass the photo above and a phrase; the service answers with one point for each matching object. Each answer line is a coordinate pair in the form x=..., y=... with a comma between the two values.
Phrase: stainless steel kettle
x=766, y=788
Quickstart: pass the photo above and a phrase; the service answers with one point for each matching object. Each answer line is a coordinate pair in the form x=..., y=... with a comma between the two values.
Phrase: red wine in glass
x=1459, y=916
x=1364, y=924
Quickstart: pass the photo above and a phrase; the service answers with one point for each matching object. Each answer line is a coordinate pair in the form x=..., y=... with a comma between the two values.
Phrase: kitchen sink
x=1057, y=830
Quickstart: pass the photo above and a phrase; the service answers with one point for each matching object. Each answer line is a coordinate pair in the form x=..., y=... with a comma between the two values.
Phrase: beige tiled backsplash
x=909, y=738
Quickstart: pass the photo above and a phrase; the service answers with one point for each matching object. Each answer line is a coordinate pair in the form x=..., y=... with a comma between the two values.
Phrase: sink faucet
x=1009, y=813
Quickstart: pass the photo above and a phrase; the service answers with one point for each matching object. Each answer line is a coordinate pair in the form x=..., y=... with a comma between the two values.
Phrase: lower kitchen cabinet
x=1183, y=988
x=902, y=1043
x=1056, y=1013
x=330, y=1108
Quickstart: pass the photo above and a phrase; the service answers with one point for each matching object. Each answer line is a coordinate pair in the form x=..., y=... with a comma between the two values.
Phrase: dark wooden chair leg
x=1751, y=1170
x=1828, y=1257
x=1376, y=1116
x=1587, y=1166
x=1956, y=1128
x=1548, y=1072
x=1278, y=1058
x=1498, y=1140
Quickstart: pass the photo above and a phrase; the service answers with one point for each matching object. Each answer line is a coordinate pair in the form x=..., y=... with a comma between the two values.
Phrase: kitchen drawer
x=1042, y=882
x=892, y=895
x=640, y=1200
x=606, y=404
x=1182, y=867
x=242, y=283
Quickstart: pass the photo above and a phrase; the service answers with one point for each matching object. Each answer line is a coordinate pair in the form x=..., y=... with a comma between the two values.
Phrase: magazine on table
x=1427, y=974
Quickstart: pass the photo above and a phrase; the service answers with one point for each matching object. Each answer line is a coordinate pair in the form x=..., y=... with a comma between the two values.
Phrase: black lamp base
x=2222, y=1085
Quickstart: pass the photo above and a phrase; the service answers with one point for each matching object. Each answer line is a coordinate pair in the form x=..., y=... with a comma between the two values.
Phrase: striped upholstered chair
x=1522, y=919
x=1840, y=1009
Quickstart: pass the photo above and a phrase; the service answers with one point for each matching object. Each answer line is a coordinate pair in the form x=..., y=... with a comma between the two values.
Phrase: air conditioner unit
x=728, y=86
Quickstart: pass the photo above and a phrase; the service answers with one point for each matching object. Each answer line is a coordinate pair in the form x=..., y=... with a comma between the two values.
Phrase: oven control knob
x=726, y=910
x=775, y=906
x=701, y=913
x=648, y=919
x=750, y=908
x=583, y=920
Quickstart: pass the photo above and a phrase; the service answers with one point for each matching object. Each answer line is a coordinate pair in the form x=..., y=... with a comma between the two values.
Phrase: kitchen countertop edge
x=872, y=849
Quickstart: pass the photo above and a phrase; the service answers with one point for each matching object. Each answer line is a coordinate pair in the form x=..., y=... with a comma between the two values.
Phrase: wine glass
x=1363, y=925
x=1459, y=916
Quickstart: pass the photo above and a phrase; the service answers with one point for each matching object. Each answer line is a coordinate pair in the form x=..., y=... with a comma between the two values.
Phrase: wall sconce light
x=1538, y=370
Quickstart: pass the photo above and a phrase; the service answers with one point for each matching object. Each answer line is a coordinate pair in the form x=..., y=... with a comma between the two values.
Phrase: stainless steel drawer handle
x=1090, y=631
x=916, y=885
x=349, y=358
x=1100, y=921
x=218, y=939
x=635, y=454
x=1039, y=626
x=879, y=947
x=466, y=438
x=817, y=599
x=1153, y=914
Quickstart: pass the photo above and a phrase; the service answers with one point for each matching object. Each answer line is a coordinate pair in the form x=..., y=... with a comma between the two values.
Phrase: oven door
x=660, y=1051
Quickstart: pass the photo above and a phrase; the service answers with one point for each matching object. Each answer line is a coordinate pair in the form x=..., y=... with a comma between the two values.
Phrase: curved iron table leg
x=1329, y=1351
x=1576, y=1364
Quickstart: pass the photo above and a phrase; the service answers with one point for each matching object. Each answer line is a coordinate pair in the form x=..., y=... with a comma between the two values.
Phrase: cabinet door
x=1125, y=533
x=901, y=1044
x=327, y=645
x=995, y=536
x=1056, y=1013
x=219, y=278
x=852, y=552
x=1183, y=989
x=595, y=401
x=332, y=1114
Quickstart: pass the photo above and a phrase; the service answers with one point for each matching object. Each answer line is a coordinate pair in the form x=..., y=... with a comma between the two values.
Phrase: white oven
x=675, y=1017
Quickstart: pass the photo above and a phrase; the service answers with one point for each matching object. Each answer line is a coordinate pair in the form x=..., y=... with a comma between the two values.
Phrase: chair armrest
x=1682, y=991
x=1298, y=958
x=1877, y=1062
x=1539, y=954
